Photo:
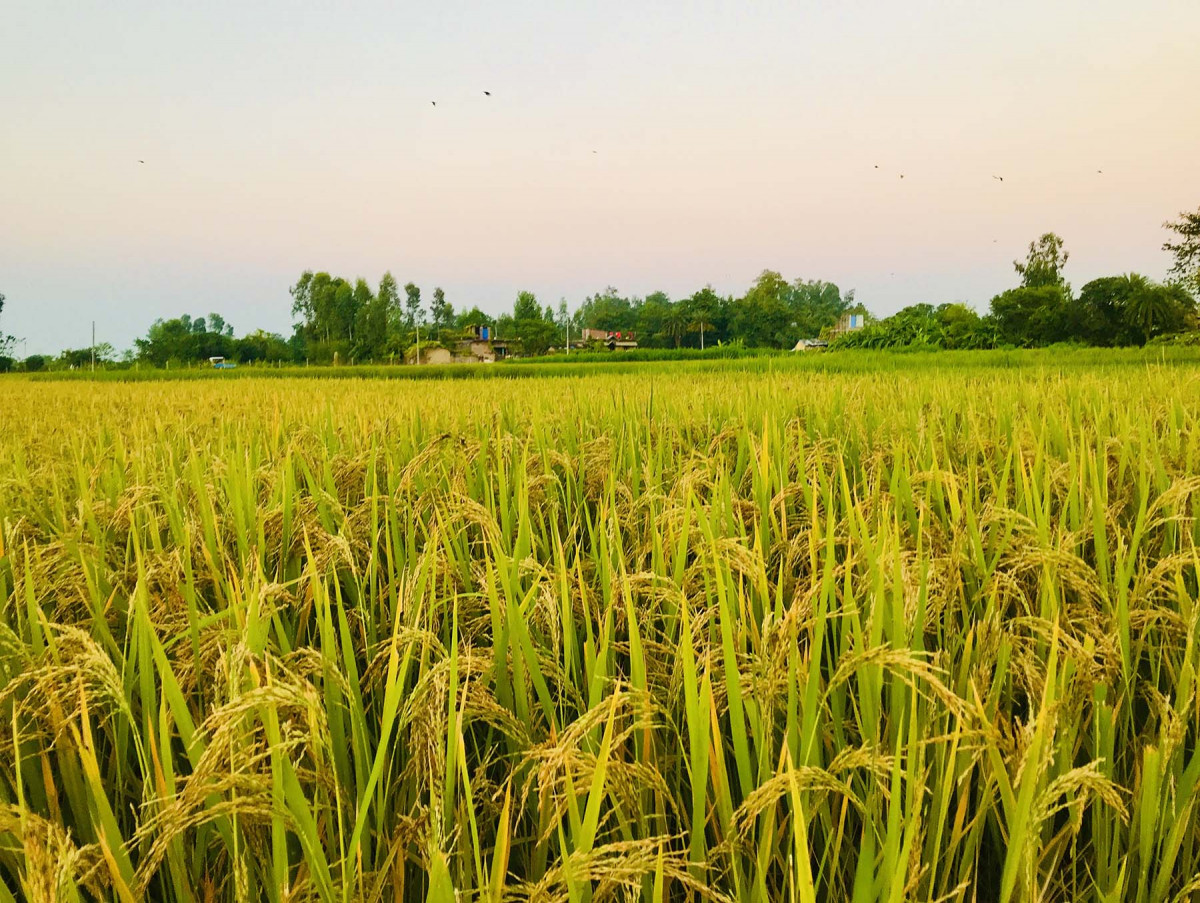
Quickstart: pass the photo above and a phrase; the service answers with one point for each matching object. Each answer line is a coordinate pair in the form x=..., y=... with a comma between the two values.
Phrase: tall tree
x=1186, y=251
x=302, y=297
x=675, y=322
x=389, y=298
x=563, y=319
x=370, y=327
x=763, y=317
x=652, y=314
x=526, y=307
x=412, y=306
x=1044, y=263
x=815, y=305
x=702, y=312
x=440, y=311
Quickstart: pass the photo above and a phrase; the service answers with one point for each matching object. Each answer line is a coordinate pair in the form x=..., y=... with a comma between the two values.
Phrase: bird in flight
x=877, y=166
x=902, y=175
x=141, y=161
x=1100, y=171
x=487, y=93
x=998, y=178
x=434, y=102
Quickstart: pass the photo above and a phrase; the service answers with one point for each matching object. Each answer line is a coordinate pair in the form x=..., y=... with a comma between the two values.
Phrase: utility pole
x=93, y=346
x=568, y=336
x=418, y=325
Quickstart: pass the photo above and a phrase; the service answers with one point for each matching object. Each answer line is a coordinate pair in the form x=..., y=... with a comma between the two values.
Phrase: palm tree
x=700, y=323
x=1146, y=305
x=675, y=321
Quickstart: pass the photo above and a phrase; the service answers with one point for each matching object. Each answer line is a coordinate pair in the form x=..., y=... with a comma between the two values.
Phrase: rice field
x=905, y=634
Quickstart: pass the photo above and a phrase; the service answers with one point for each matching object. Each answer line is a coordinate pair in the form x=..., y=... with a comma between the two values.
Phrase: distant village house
x=849, y=322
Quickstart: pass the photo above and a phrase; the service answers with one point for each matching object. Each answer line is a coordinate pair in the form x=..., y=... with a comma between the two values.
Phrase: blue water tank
x=485, y=332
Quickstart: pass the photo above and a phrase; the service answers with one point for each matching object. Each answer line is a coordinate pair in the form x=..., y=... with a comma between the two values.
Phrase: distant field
x=650, y=361
x=844, y=627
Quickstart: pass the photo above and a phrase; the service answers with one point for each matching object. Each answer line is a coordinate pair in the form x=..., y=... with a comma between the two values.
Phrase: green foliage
x=1155, y=310
x=923, y=326
x=526, y=307
x=441, y=311
x=80, y=358
x=327, y=307
x=371, y=336
x=776, y=314
x=705, y=313
x=1185, y=267
x=340, y=321
x=1033, y=315
x=609, y=311
x=763, y=318
x=533, y=326
x=35, y=363
x=389, y=299
x=217, y=324
x=1043, y=267
x=473, y=317
x=414, y=315
x=1130, y=309
x=180, y=341
x=262, y=346
x=1100, y=311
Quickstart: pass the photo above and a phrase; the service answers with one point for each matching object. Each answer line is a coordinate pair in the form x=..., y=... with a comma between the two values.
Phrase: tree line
x=338, y=320
x=348, y=321
x=1126, y=309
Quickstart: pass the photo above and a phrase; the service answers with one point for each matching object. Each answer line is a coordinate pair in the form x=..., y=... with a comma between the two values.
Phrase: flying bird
x=877, y=166
x=998, y=178
x=1100, y=171
x=434, y=102
x=141, y=161
x=487, y=93
x=902, y=175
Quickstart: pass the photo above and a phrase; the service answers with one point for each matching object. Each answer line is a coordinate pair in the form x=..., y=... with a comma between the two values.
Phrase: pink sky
x=728, y=138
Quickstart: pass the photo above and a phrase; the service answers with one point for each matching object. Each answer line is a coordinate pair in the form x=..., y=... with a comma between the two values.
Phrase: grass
x=927, y=631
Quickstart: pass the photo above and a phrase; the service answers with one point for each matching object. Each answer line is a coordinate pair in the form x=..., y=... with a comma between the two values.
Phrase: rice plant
x=753, y=634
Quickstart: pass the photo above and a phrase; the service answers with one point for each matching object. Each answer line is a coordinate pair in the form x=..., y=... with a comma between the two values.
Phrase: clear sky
x=646, y=145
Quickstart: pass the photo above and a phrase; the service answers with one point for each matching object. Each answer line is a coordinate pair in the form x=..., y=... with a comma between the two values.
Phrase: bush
x=35, y=363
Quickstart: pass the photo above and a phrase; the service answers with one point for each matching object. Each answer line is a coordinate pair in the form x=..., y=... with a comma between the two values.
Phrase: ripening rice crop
x=662, y=635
